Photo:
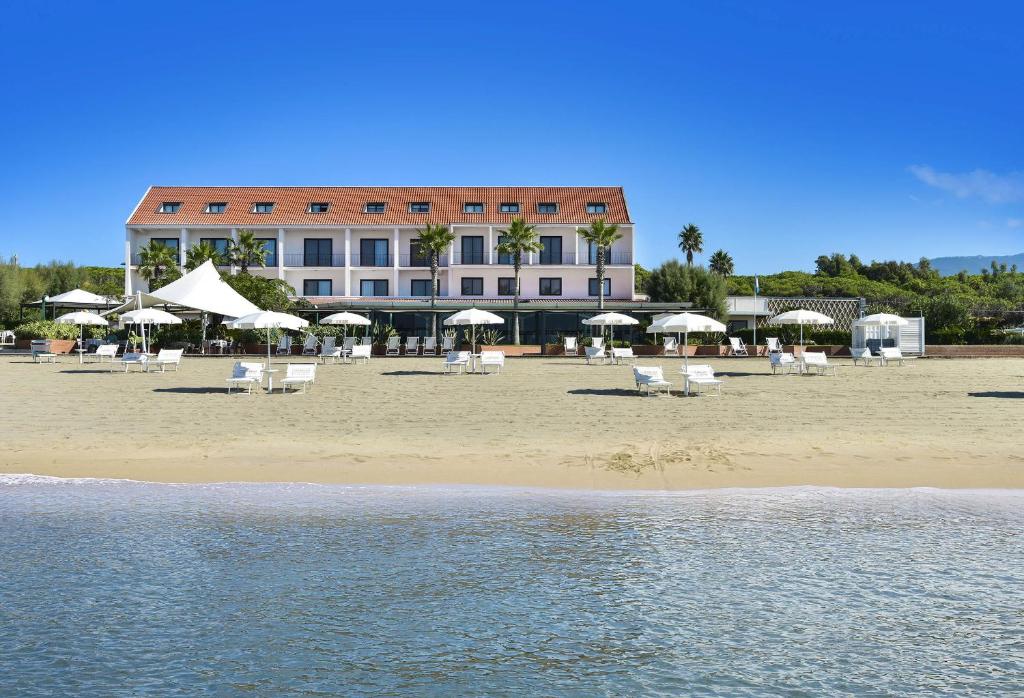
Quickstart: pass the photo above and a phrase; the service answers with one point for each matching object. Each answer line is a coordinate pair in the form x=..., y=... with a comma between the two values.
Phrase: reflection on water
x=119, y=588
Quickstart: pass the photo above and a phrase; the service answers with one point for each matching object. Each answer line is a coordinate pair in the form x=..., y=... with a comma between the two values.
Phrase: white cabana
x=474, y=317
x=147, y=316
x=82, y=318
x=268, y=320
x=801, y=317
x=884, y=322
x=611, y=320
x=686, y=323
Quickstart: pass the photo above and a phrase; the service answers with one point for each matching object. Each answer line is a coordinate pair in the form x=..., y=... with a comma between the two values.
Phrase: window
x=547, y=207
x=373, y=287
x=418, y=257
x=473, y=208
x=597, y=208
x=317, y=287
x=507, y=286
x=219, y=244
x=473, y=249
x=216, y=207
x=592, y=287
x=472, y=286
x=318, y=207
x=509, y=208
x=270, y=245
x=552, y=252
x=502, y=257
x=421, y=287
x=316, y=252
x=373, y=252
x=551, y=286
x=263, y=207
x=592, y=254
x=419, y=207
x=375, y=207
x=170, y=207
x=173, y=243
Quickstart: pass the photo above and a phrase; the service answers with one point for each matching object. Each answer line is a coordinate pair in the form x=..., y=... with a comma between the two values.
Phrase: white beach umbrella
x=345, y=319
x=611, y=320
x=881, y=320
x=267, y=320
x=801, y=317
x=686, y=323
x=147, y=316
x=81, y=318
x=474, y=317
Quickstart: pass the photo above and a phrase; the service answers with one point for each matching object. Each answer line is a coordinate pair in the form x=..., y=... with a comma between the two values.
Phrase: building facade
x=336, y=243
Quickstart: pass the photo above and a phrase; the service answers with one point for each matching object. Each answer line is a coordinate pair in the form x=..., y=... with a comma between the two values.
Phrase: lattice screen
x=843, y=310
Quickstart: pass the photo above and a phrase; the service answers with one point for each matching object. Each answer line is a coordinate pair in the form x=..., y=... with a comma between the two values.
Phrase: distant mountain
x=947, y=266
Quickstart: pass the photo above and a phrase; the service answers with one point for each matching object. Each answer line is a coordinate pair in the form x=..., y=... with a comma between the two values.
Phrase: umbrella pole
x=81, y=347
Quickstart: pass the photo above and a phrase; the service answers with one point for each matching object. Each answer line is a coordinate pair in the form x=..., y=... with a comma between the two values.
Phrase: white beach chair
x=412, y=346
x=592, y=354
x=737, y=347
x=366, y=341
x=361, y=353
x=284, y=345
x=572, y=346
x=863, y=355
x=166, y=357
x=245, y=374
x=298, y=374
x=131, y=359
x=329, y=350
x=671, y=346
x=620, y=354
x=348, y=344
x=817, y=361
x=492, y=358
x=455, y=359
x=698, y=375
x=648, y=377
x=7, y=338
x=783, y=362
x=310, y=345
x=394, y=347
x=430, y=346
x=41, y=352
x=774, y=345
x=597, y=342
x=447, y=344
x=103, y=352
x=894, y=354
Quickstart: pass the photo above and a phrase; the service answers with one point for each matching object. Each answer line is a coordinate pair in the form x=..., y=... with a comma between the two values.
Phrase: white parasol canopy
x=611, y=320
x=801, y=317
x=474, y=317
x=686, y=323
x=81, y=318
x=147, y=316
x=881, y=320
x=345, y=319
x=267, y=320
x=79, y=298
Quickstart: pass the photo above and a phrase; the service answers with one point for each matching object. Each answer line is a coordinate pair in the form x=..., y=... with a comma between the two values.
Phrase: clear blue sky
x=784, y=130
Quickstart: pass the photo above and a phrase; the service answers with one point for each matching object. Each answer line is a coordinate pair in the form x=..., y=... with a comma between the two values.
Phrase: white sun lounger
x=412, y=346
x=592, y=354
x=671, y=346
x=648, y=377
x=166, y=357
x=394, y=347
x=818, y=362
x=329, y=350
x=284, y=345
x=361, y=353
x=863, y=355
x=104, y=352
x=698, y=375
x=430, y=346
x=774, y=345
x=492, y=358
x=620, y=354
x=782, y=362
x=737, y=347
x=894, y=354
x=447, y=344
x=245, y=374
x=455, y=359
x=41, y=352
x=298, y=375
x=572, y=346
x=597, y=342
x=309, y=346
x=131, y=359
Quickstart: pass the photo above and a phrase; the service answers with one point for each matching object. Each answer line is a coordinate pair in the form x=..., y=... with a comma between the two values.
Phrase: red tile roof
x=347, y=205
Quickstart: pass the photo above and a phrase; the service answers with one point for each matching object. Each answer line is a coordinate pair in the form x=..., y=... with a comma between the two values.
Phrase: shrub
x=48, y=329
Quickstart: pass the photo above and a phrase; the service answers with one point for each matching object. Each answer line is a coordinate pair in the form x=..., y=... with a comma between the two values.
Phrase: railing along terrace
x=314, y=260
x=419, y=260
x=372, y=260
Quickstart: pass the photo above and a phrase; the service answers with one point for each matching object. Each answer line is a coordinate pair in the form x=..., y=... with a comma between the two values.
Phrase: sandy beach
x=546, y=422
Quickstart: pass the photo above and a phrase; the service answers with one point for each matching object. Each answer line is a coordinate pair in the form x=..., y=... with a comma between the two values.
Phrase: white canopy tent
x=801, y=317
x=686, y=323
x=474, y=317
x=201, y=289
x=78, y=298
x=82, y=318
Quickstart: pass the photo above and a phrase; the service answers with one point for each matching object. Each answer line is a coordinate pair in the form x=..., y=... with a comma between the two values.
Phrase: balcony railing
x=372, y=260
x=538, y=259
x=420, y=260
x=314, y=260
x=416, y=260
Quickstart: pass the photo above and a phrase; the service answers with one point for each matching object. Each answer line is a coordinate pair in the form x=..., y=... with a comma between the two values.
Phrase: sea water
x=115, y=588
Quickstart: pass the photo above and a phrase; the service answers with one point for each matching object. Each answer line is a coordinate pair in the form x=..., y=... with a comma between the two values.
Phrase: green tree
x=201, y=253
x=640, y=276
x=691, y=241
x=673, y=282
x=517, y=240
x=157, y=264
x=266, y=294
x=601, y=236
x=247, y=251
x=721, y=263
x=435, y=241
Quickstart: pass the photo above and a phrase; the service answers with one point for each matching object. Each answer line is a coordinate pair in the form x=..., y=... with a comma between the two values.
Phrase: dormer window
x=475, y=207
x=263, y=207
x=216, y=207
x=375, y=207
x=318, y=207
x=419, y=207
x=509, y=208
x=170, y=207
x=598, y=208
x=547, y=207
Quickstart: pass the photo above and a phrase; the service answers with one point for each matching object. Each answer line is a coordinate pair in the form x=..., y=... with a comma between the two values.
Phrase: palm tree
x=518, y=239
x=721, y=263
x=247, y=251
x=202, y=252
x=601, y=236
x=155, y=259
x=435, y=241
x=691, y=241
